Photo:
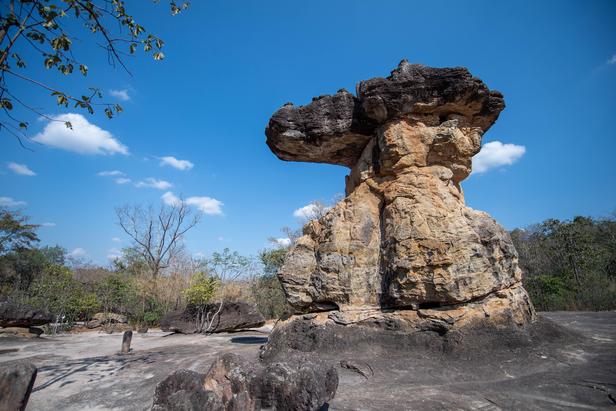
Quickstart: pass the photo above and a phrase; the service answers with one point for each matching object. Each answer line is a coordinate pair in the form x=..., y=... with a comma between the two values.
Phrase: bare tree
x=157, y=237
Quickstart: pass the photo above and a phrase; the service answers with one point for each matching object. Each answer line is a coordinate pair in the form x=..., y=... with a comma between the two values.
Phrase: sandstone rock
x=298, y=383
x=233, y=316
x=183, y=390
x=25, y=332
x=22, y=315
x=100, y=319
x=16, y=382
x=402, y=247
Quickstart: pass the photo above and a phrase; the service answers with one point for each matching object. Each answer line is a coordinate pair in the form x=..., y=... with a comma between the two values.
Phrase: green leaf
x=108, y=112
x=6, y=104
x=23, y=125
x=68, y=124
x=84, y=69
x=61, y=100
x=158, y=55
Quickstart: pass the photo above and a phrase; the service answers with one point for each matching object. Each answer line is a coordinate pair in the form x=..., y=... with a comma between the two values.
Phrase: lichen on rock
x=402, y=243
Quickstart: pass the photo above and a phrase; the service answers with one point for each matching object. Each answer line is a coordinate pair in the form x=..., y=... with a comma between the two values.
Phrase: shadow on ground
x=249, y=340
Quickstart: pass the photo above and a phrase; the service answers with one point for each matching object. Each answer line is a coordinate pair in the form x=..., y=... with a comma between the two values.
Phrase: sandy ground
x=85, y=372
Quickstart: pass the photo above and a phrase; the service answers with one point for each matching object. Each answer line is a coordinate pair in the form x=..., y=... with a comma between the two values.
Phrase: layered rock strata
x=402, y=246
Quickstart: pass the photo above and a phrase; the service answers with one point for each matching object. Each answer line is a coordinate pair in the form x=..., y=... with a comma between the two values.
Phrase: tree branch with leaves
x=44, y=28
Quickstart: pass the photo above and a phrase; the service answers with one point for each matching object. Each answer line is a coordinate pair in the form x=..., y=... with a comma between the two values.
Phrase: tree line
x=567, y=265
x=153, y=275
x=571, y=264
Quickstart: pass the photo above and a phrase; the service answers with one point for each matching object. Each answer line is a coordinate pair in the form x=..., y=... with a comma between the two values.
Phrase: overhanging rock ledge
x=401, y=251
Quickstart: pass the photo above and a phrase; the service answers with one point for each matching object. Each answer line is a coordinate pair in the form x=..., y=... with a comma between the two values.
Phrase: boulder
x=16, y=382
x=402, y=247
x=232, y=316
x=22, y=315
x=26, y=332
x=233, y=383
x=183, y=390
x=99, y=319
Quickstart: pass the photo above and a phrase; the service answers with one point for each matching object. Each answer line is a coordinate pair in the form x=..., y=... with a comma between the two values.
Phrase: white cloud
x=114, y=254
x=10, y=202
x=170, y=199
x=154, y=183
x=120, y=94
x=496, y=154
x=122, y=180
x=310, y=211
x=206, y=205
x=78, y=253
x=612, y=60
x=48, y=224
x=283, y=242
x=176, y=163
x=21, y=169
x=110, y=173
x=116, y=239
x=83, y=138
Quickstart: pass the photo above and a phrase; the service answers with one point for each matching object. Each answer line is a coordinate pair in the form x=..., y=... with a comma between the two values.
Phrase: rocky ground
x=84, y=371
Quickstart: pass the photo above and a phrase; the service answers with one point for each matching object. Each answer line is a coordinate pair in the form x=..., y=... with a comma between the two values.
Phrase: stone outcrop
x=299, y=383
x=402, y=247
x=25, y=332
x=16, y=382
x=232, y=316
x=100, y=319
x=22, y=315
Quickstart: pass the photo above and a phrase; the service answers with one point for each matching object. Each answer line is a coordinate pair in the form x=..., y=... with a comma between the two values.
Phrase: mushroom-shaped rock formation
x=402, y=246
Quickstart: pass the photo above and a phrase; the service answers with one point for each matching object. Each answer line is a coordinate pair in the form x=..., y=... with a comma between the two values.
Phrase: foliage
x=267, y=291
x=15, y=231
x=59, y=293
x=201, y=290
x=116, y=294
x=48, y=29
x=569, y=265
x=20, y=267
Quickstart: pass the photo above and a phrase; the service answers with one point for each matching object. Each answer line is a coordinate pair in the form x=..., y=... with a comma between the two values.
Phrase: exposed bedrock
x=402, y=243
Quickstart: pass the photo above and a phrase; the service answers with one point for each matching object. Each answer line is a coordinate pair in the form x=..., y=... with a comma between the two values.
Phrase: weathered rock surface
x=16, y=382
x=233, y=316
x=233, y=383
x=21, y=315
x=402, y=246
x=26, y=332
x=100, y=319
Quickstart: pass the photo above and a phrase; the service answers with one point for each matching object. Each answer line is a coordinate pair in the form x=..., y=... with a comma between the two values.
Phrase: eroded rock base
x=499, y=321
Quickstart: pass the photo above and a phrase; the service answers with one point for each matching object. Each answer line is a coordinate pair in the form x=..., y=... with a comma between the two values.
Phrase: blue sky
x=230, y=65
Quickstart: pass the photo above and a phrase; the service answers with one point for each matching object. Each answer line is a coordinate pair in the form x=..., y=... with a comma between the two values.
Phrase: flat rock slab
x=83, y=371
x=581, y=376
